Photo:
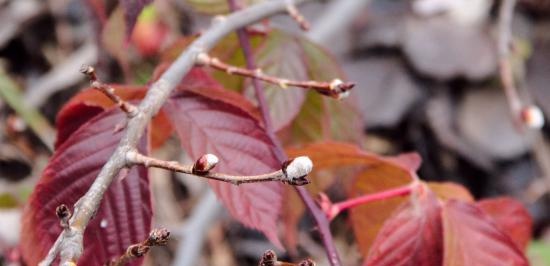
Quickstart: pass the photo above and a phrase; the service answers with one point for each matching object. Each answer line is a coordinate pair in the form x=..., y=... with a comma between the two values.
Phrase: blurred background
x=427, y=75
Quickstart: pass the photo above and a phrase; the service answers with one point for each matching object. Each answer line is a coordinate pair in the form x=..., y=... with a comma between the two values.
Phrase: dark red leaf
x=472, y=238
x=206, y=124
x=412, y=236
x=132, y=9
x=125, y=214
x=511, y=217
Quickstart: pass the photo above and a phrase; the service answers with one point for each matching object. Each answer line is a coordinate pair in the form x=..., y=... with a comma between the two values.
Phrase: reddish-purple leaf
x=412, y=236
x=132, y=9
x=125, y=214
x=472, y=238
x=209, y=125
x=512, y=218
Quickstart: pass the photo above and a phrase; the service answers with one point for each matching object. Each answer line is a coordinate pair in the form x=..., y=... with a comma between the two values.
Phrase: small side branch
x=109, y=91
x=157, y=237
x=293, y=172
x=336, y=88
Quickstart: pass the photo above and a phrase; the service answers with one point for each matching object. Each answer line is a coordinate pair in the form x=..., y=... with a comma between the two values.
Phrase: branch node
x=296, y=170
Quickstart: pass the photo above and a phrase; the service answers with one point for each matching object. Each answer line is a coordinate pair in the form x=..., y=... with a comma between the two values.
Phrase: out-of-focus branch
x=195, y=228
x=335, y=88
x=504, y=46
x=61, y=76
x=295, y=14
x=335, y=18
x=11, y=94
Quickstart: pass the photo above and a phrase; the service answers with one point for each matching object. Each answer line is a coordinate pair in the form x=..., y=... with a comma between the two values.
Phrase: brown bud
x=158, y=237
x=268, y=259
x=307, y=262
x=63, y=212
x=204, y=164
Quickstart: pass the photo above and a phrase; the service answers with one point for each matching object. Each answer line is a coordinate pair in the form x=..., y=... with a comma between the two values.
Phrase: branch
x=318, y=215
x=292, y=172
x=336, y=88
x=157, y=237
x=529, y=115
x=71, y=244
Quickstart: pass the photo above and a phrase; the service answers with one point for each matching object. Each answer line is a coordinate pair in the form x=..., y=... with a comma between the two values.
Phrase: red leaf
x=132, y=9
x=511, y=217
x=472, y=238
x=412, y=236
x=125, y=210
x=209, y=125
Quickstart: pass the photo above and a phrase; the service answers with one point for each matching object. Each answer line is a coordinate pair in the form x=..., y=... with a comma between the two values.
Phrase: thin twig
x=295, y=14
x=336, y=88
x=318, y=215
x=281, y=175
x=504, y=44
x=108, y=91
x=157, y=237
x=85, y=208
x=523, y=114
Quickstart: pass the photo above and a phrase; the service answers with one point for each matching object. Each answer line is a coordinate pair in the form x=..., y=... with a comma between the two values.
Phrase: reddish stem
x=319, y=216
x=336, y=208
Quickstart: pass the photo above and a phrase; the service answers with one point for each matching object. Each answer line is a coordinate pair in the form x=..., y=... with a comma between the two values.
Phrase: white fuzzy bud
x=297, y=169
x=532, y=117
